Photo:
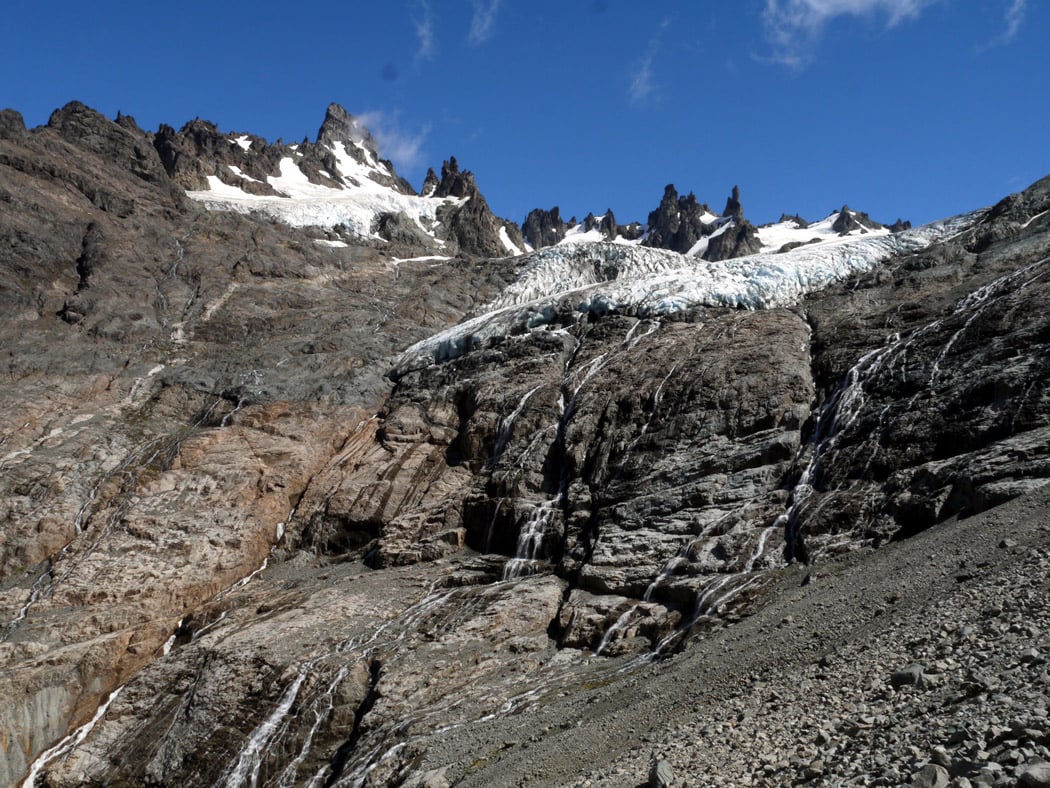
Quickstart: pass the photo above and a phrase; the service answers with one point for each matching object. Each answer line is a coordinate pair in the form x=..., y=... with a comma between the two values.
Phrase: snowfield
x=604, y=277
x=774, y=236
x=307, y=204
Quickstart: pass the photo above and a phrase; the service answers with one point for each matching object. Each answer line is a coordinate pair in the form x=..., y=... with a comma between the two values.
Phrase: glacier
x=600, y=278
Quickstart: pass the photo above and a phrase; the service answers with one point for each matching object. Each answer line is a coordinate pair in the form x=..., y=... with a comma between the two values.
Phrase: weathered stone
x=1036, y=775
x=931, y=776
x=661, y=774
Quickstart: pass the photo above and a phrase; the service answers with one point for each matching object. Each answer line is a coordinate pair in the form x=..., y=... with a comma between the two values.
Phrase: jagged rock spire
x=733, y=208
x=340, y=126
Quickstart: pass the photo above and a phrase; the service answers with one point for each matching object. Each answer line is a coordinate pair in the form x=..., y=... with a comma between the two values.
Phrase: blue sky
x=911, y=108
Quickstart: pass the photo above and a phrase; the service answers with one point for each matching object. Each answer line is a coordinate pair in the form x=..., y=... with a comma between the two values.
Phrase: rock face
x=246, y=544
x=543, y=228
x=678, y=222
x=847, y=221
x=472, y=225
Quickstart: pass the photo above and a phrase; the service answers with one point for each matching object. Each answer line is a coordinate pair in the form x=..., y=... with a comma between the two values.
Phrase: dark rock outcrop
x=472, y=226
x=12, y=124
x=430, y=183
x=455, y=182
x=796, y=219
x=734, y=209
x=200, y=149
x=736, y=241
x=677, y=223
x=91, y=131
x=544, y=228
x=848, y=221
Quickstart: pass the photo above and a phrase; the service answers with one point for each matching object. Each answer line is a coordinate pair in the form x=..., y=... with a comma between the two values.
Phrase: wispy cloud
x=402, y=146
x=424, y=22
x=484, y=20
x=642, y=84
x=793, y=27
x=642, y=80
x=1013, y=18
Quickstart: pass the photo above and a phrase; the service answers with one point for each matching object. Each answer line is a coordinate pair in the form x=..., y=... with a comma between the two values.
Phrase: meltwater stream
x=849, y=400
x=535, y=527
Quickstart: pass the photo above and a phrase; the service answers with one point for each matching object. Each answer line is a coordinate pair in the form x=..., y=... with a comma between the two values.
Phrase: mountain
x=311, y=479
x=686, y=226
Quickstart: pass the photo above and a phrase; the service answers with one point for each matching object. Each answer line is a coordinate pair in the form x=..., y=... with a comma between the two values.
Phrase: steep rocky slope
x=284, y=506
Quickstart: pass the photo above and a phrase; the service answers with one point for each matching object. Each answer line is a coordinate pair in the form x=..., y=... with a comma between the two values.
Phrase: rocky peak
x=200, y=149
x=340, y=126
x=663, y=222
x=543, y=228
x=90, y=130
x=455, y=182
x=848, y=221
x=430, y=183
x=797, y=220
x=473, y=226
x=733, y=208
x=678, y=222
x=12, y=124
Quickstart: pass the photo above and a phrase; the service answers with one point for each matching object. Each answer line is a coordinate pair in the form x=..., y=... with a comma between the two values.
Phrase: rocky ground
x=245, y=542
x=923, y=662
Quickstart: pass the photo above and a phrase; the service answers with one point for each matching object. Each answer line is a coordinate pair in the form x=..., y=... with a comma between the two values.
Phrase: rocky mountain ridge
x=286, y=505
x=202, y=159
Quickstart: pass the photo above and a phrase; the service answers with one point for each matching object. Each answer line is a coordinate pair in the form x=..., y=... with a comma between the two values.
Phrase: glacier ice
x=599, y=278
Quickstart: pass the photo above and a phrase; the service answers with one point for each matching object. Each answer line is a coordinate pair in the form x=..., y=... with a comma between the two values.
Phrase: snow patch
x=774, y=236
x=508, y=244
x=301, y=203
x=237, y=171
x=243, y=141
x=424, y=258
x=700, y=247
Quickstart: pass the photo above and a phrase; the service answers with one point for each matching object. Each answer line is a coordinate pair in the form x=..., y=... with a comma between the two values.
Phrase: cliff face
x=191, y=395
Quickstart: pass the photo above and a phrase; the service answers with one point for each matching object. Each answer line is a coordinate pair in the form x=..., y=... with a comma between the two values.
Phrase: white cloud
x=401, y=146
x=484, y=20
x=642, y=85
x=642, y=81
x=794, y=26
x=1013, y=19
x=424, y=30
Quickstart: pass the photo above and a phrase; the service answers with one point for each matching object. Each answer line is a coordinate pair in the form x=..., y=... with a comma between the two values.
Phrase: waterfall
x=620, y=623
x=506, y=425
x=69, y=743
x=530, y=540
x=245, y=770
x=849, y=400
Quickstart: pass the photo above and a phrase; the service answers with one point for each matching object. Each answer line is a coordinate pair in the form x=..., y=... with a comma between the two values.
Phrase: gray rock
x=930, y=776
x=910, y=675
x=661, y=775
x=734, y=209
x=1036, y=775
x=544, y=228
x=12, y=125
